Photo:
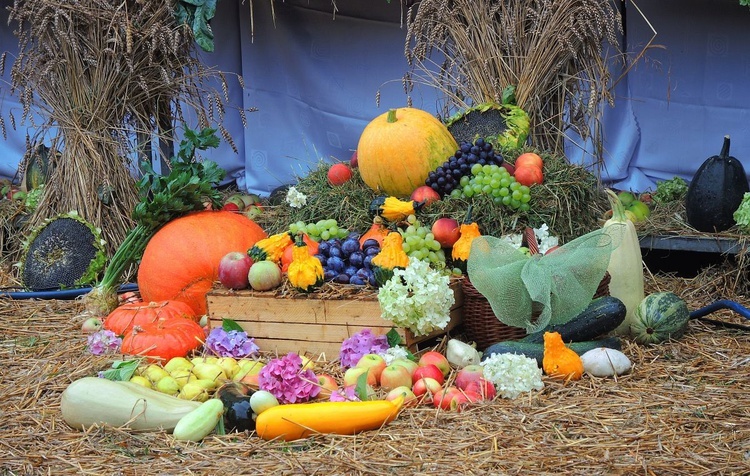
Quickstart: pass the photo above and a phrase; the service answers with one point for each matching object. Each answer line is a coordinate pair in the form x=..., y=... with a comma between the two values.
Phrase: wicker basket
x=479, y=320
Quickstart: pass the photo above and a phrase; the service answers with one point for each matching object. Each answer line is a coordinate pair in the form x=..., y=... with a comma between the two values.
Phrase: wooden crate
x=310, y=325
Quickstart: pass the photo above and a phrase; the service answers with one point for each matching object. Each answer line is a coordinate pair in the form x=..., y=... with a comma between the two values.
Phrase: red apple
x=327, y=385
x=237, y=200
x=264, y=275
x=425, y=388
x=339, y=174
x=437, y=359
x=509, y=167
x=395, y=376
x=425, y=194
x=410, y=365
x=468, y=374
x=447, y=231
x=409, y=397
x=374, y=364
x=442, y=399
x=428, y=371
x=484, y=388
x=93, y=324
x=458, y=402
x=354, y=161
x=251, y=380
x=234, y=268
x=529, y=159
x=230, y=207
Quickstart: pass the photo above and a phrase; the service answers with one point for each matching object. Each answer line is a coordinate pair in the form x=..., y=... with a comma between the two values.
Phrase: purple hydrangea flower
x=103, y=342
x=359, y=344
x=346, y=394
x=286, y=380
x=230, y=344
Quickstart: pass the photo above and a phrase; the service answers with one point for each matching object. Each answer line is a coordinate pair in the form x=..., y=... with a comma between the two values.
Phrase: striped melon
x=659, y=317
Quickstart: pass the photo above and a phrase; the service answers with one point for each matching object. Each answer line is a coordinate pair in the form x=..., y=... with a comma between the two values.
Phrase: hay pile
x=680, y=411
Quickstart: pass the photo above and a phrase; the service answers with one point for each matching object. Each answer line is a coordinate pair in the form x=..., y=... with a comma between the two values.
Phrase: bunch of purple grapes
x=346, y=262
x=446, y=177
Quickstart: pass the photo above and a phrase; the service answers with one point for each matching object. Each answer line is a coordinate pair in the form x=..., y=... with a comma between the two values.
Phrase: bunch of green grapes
x=420, y=243
x=320, y=230
x=497, y=182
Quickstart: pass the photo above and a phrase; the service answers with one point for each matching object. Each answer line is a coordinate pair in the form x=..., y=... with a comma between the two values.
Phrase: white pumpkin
x=605, y=362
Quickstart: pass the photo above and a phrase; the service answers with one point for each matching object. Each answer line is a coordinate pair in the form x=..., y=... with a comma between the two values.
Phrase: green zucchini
x=197, y=424
x=535, y=350
x=602, y=316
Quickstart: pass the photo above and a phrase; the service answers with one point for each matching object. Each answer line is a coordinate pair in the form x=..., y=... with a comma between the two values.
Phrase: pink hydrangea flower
x=359, y=344
x=286, y=380
x=346, y=394
x=103, y=342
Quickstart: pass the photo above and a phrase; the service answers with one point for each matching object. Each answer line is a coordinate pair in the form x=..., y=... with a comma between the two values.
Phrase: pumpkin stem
x=725, y=148
x=467, y=220
x=391, y=117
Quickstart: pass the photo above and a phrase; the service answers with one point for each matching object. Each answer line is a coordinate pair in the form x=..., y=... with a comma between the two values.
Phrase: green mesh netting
x=532, y=292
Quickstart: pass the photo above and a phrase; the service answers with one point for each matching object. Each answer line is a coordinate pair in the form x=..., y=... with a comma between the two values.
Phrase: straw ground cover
x=680, y=411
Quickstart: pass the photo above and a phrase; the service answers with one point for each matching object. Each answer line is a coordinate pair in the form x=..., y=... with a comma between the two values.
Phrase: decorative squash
x=164, y=339
x=398, y=149
x=392, y=209
x=286, y=257
x=715, y=192
x=659, y=317
x=126, y=316
x=560, y=361
x=378, y=231
x=390, y=257
x=271, y=248
x=462, y=247
x=181, y=261
x=305, y=272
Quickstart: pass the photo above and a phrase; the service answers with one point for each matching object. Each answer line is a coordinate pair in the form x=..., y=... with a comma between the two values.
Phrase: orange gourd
x=286, y=257
x=378, y=231
x=529, y=175
x=181, y=261
x=164, y=339
x=126, y=316
x=398, y=149
x=560, y=361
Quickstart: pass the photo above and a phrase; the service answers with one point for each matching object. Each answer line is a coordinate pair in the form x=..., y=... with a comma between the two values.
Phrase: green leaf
x=361, y=387
x=509, y=95
x=122, y=370
x=229, y=325
x=394, y=339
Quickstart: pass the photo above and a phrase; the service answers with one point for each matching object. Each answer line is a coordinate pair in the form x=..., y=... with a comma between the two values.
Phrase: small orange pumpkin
x=378, y=231
x=163, y=339
x=125, y=317
x=529, y=175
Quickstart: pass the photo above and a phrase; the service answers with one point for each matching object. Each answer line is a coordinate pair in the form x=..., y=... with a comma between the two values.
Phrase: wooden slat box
x=308, y=324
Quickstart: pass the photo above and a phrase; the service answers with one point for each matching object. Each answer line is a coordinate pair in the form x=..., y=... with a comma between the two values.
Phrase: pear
x=193, y=391
x=177, y=363
x=183, y=376
x=229, y=365
x=307, y=363
x=204, y=360
x=208, y=384
x=168, y=385
x=209, y=371
x=154, y=372
x=247, y=367
x=141, y=381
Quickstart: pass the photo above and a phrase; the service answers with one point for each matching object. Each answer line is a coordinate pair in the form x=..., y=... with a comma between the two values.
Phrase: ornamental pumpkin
x=181, y=260
x=126, y=316
x=378, y=231
x=305, y=272
x=390, y=257
x=286, y=257
x=271, y=248
x=398, y=149
x=560, y=361
x=462, y=247
x=715, y=192
x=163, y=339
x=392, y=209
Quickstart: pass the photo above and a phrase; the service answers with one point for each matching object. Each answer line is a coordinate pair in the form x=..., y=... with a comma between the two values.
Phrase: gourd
x=602, y=316
x=392, y=209
x=271, y=248
x=378, y=231
x=181, y=260
x=715, y=192
x=238, y=414
x=398, y=149
x=294, y=421
x=286, y=257
x=560, y=361
x=604, y=362
x=462, y=247
x=197, y=424
x=390, y=257
x=535, y=350
x=305, y=272
x=164, y=339
x=126, y=316
x=659, y=317
x=98, y=401
x=625, y=263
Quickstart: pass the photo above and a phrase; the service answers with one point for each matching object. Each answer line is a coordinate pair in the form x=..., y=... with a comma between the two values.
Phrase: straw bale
x=679, y=411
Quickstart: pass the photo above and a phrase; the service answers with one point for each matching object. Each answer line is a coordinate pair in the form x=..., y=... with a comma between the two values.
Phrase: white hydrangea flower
x=512, y=374
x=393, y=353
x=418, y=298
x=295, y=198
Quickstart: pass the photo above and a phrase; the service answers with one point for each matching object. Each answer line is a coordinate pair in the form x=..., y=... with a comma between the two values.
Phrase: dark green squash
x=715, y=192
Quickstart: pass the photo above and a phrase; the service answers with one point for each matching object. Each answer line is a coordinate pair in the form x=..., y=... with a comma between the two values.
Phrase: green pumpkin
x=660, y=317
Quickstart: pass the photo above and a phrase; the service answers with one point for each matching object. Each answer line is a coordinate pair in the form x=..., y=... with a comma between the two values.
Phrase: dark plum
x=342, y=278
x=323, y=259
x=350, y=270
x=369, y=243
x=335, y=263
x=367, y=262
x=335, y=251
x=323, y=247
x=349, y=246
x=372, y=251
x=329, y=274
x=357, y=280
x=357, y=259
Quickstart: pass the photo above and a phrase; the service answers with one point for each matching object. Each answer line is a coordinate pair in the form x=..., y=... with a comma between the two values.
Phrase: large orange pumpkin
x=398, y=149
x=181, y=261
x=126, y=316
x=164, y=339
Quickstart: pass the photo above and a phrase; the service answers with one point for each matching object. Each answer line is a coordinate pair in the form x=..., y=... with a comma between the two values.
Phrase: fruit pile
x=347, y=261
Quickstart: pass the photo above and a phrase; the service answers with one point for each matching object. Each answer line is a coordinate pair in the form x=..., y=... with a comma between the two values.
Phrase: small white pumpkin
x=605, y=362
x=462, y=354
